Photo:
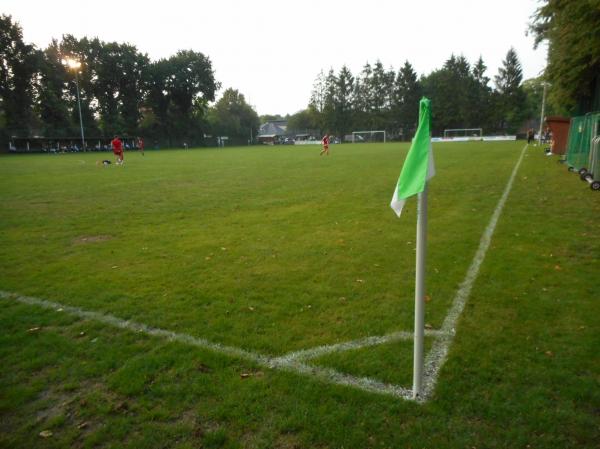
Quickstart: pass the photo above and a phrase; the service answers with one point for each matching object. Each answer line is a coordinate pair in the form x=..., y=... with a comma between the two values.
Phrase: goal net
x=463, y=132
x=368, y=136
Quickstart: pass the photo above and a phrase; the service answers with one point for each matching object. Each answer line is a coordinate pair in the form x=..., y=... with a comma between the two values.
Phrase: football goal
x=463, y=132
x=368, y=136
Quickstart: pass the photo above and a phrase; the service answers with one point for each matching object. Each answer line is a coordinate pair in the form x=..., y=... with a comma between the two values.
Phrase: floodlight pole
x=420, y=293
x=79, y=104
x=542, y=114
x=75, y=65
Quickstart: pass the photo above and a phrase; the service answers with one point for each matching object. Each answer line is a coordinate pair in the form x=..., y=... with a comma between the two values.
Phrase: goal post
x=463, y=132
x=368, y=136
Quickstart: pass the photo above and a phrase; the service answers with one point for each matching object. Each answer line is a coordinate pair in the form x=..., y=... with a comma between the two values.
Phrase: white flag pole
x=420, y=293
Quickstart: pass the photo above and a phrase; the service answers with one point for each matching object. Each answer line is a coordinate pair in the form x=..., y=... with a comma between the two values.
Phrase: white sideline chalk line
x=436, y=357
x=292, y=362
x=444, y=336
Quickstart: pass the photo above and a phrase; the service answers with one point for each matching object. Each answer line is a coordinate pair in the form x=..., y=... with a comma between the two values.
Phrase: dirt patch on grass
x=52, y=403
x=287, y=441
x=84, y=239
x=61, y=410
x=201, y=428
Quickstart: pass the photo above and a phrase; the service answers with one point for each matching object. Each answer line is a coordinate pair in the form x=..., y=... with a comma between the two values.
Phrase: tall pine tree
x=510, y=103
x=343, y=102
x=407, y=93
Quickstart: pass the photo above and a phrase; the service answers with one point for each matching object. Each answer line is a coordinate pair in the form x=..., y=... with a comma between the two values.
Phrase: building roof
x=275, y=128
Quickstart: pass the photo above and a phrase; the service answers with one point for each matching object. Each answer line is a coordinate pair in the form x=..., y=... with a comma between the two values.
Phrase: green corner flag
x=418, y=167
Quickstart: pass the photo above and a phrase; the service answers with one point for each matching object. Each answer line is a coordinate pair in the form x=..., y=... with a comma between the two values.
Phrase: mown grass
x=276, y=250
x=235, y=245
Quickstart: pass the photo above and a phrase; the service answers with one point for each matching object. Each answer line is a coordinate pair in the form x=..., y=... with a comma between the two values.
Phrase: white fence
x=474, y=138
x=307, y=142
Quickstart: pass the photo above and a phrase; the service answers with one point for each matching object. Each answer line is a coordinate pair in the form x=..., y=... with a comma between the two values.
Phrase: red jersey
x=117, y=145
x=141, y=144
x=326, y=140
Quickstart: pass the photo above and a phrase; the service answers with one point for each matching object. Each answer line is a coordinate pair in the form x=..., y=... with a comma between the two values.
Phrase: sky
x=272, y=51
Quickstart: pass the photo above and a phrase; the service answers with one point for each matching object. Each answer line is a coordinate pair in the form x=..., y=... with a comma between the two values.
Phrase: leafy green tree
x=270, y=117
x=179, y=90
x=131, y=87
x=156, y=115
x=18, y=68
x=83, y=51
x=120, y=86
x=120, y=90
x=572, y=30
x=109, y=71
x=231, y=116
x=51, y=104
x=451, y=90
x=303, y=121
x=191, y=76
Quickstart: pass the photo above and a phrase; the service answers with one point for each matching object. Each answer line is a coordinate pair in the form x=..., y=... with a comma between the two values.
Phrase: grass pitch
x=275, y=250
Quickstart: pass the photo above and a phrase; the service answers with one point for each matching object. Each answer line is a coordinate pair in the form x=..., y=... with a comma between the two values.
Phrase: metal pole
x=542, y=115
x=80, y=119
x=420, y=293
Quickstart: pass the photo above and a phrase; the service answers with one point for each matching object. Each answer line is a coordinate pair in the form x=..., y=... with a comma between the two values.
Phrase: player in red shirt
x=117, y=147
x=141, y=145
x=325, y=143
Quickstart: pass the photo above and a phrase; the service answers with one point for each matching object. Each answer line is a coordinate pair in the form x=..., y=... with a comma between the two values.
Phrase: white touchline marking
x=438, y=353
x=443, y=337
x=293, y=361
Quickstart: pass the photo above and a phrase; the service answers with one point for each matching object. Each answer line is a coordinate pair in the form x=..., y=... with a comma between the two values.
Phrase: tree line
x=171, y=101
x=461, y=93
x=572, y=31
x=121, y=91
x=384, y=99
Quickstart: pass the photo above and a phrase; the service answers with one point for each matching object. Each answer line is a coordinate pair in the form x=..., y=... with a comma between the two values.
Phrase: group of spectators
x=126, y=146
x=58, y=147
